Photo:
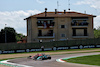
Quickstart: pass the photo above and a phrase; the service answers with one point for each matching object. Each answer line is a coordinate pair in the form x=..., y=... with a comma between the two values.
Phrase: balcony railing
x=45, y=25
x=79, y=23
x=46, y=36
x=80, y=36
x=41, y=24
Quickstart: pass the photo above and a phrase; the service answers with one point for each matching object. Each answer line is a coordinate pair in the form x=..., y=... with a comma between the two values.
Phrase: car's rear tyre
x=49, y=58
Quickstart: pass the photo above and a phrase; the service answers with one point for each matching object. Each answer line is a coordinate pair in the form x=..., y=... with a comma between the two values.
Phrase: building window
x=42, y=22
x=74, y=32
x=63, y=35
x=80, y=32
x=39, y=21
x=85, y=32
x=39, y=32
x=62, y=26
x=48, y=22
x=50, y=33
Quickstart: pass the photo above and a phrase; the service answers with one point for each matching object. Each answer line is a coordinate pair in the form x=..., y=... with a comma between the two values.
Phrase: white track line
x=14, y=64
x=60, y=60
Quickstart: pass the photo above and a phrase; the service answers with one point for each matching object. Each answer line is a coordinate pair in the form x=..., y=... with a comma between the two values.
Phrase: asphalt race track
x=52, y=62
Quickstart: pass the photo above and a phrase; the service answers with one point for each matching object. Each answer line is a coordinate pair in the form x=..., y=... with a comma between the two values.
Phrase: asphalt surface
x=53, y=62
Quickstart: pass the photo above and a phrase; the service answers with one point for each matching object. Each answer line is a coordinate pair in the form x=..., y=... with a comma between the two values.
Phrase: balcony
x=78, y=36
x=45, y=25
x=46, y=36
x=79, y=24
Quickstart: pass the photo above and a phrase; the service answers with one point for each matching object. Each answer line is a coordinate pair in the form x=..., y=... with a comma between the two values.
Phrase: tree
x=9, y=34
x=19, y=36
x=2, y=36
x=97, y=32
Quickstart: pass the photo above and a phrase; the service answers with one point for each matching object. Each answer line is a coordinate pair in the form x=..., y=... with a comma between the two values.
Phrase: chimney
x=69, y=9
x=85, y=12
x=64, y=11
x=45, y=12
x=55, y=11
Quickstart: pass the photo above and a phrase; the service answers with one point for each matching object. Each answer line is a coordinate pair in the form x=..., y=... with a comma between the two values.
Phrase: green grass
x=11, y=58
x=90, y=60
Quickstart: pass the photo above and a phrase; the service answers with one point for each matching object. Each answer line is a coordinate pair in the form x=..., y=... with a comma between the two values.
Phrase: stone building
x=56, y=26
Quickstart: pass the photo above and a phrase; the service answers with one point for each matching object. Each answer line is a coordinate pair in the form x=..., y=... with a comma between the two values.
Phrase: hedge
x=67, y=43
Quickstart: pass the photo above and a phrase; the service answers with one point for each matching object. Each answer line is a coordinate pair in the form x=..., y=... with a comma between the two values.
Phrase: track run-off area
x=24, y=62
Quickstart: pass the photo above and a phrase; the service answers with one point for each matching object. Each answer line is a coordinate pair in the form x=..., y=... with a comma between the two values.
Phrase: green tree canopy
x=8, y=33
x=19, y=36
x=97, y=33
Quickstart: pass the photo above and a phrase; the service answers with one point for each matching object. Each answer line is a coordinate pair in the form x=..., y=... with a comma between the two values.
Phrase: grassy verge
x=90, y=60
x=10, y=58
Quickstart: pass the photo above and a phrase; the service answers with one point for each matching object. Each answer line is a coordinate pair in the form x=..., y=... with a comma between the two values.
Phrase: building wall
x=32, y=28
x=90, y=28
x=69, y=28
x=29, y=30
x=58, y=30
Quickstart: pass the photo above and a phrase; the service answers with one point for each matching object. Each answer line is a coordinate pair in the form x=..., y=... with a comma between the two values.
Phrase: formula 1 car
x=40, y=57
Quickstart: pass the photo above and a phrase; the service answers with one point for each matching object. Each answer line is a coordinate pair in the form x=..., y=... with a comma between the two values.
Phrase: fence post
x=68, y=44
x=78, y=46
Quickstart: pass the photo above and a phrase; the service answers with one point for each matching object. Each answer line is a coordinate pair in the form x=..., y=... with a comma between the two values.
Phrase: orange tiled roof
x=61, y=14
